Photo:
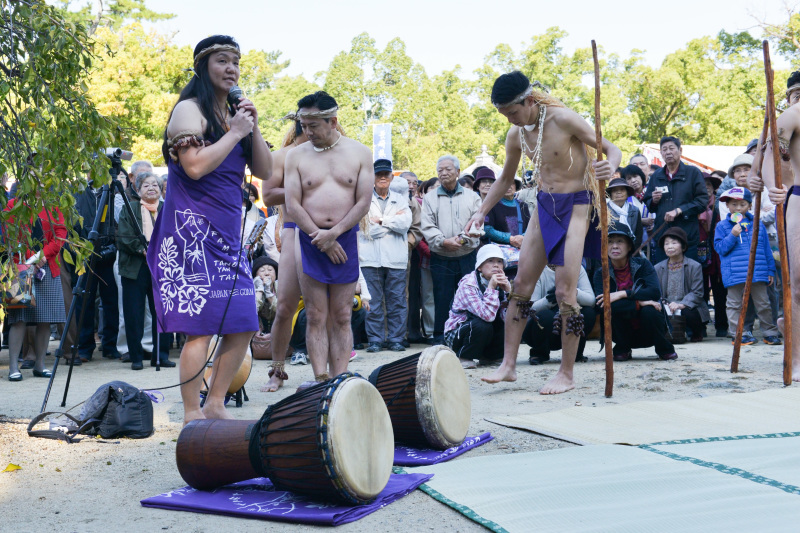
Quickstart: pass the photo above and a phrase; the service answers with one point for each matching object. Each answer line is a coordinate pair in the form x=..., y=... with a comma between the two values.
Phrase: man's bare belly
x=564, y=176
x=328, y=204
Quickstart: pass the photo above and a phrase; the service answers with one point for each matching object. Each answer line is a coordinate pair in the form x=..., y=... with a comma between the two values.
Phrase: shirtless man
x=273, y=193
x=328, y=183
x=789, y=139
x=555, y=138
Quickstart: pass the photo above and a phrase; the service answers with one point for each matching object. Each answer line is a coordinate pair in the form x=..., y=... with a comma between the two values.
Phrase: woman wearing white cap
x=475, y=327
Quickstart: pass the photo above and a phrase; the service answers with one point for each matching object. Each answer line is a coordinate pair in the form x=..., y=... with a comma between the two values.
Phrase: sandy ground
x=92, y=486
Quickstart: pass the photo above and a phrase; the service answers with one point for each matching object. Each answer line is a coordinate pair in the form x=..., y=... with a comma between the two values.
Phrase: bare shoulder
x=279, y=156
x=565, y=117
x=278, y=161
x=186, y=117
x=512, y=137
x=790, y=119
x=354, y=146
x=292, y=156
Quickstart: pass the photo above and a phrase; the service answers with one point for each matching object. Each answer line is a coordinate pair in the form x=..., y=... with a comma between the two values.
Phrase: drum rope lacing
x=261, y=462
x=412, y=382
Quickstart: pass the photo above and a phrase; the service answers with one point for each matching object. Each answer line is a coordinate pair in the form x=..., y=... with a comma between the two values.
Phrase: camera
x=107, y=253
x=118, y=153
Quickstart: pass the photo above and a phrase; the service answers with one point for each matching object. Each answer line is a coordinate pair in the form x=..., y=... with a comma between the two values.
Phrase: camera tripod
x=105, y=218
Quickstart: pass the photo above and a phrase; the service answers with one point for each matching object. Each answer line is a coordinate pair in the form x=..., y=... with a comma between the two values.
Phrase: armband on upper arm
x=185, y=139
x=783, y=147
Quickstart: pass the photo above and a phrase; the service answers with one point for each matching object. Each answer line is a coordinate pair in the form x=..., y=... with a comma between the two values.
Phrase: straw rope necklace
x=536, y=158
x=327, y=147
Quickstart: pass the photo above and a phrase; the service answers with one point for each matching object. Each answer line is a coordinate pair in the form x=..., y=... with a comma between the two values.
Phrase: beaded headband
x=216, y=48
x=792, y=89
x=327, y=113
x=524, y=94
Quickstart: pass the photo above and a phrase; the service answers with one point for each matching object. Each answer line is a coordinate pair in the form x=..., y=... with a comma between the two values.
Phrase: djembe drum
x=333, y=441
x=242, y=375
x=427, y=395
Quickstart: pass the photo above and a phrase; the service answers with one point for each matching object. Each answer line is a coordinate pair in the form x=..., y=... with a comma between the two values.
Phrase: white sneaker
x=298, y=358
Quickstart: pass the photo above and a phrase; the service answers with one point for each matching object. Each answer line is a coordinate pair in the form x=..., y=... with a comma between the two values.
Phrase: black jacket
x=131, y=249
x=687, y=190
x=645, y=285
x=87, y=203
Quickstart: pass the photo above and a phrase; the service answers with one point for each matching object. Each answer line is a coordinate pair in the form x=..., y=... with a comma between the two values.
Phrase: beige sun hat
x=743, y=159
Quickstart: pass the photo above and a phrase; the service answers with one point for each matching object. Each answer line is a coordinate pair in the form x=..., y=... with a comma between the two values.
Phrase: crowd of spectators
x=677, y=238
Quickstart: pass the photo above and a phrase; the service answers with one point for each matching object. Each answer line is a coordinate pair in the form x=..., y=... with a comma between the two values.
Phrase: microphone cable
x=227, y=304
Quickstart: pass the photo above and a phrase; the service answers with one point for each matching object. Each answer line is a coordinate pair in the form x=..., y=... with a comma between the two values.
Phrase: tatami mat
x=768, y=411
x=608, y=488
x=769, y=459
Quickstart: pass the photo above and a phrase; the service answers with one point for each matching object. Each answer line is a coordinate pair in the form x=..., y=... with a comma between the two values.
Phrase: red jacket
x=55, y=235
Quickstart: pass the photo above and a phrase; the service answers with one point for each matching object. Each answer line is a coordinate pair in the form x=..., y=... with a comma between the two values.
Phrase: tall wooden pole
x=779, y=222
x=604, y=230
x=751, y=265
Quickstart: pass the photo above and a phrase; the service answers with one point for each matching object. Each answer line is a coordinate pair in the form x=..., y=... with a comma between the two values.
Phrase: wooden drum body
x=332, y=441
x=428, y=398
x=242, y=375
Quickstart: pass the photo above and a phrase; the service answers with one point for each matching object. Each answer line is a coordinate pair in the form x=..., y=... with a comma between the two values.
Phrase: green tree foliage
x=94, y=14
x=50, y=130
x=709, y=92
x=137, y=79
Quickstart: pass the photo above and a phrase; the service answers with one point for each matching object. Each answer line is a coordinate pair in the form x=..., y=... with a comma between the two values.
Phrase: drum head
x=363, y=464
x=443, y=399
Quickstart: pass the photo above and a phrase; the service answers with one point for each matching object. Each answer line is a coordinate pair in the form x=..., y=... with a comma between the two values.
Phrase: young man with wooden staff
x=565, y=227
x=783, y=151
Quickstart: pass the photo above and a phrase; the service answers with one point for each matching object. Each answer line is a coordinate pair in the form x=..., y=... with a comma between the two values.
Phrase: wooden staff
x=604, y=230
x=650, y=237
x=751, y=264
x=779, y=222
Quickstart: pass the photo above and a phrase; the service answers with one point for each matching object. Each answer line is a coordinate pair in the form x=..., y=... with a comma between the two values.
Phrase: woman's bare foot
x=504, y=373
x=188, y=416
x=273, y=384
x=216, y=410
x=558, y=384
x=468, y=364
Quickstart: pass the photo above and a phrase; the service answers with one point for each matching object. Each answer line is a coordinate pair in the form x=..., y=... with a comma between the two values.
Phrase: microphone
x=234, y=95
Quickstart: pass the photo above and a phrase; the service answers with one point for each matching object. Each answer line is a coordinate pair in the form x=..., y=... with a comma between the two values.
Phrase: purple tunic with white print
x=194, y=250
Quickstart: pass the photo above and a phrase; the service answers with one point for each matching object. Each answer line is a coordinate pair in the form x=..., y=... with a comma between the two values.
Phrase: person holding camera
x=137, y=285
x=101, y=278
x=677, y=194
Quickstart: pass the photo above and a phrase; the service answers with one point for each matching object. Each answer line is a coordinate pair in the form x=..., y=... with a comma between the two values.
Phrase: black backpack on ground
x=117, y=409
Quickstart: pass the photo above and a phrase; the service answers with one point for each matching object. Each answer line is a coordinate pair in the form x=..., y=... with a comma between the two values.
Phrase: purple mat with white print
x=257, y=498
x=404, y=456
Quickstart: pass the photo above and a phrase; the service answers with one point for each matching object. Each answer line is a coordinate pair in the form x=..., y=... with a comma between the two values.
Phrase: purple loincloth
x=555, y=213
x=289, y=225
x=317, y=265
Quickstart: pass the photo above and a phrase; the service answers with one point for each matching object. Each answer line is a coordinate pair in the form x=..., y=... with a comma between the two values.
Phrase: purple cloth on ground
x=404, y=456
x=555, y=213
x=317, y=265
x=194, y=251
x=289, y=225
x=256, y=498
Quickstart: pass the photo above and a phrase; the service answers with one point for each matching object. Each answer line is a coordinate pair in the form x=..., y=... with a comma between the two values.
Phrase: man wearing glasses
x=383, y=257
